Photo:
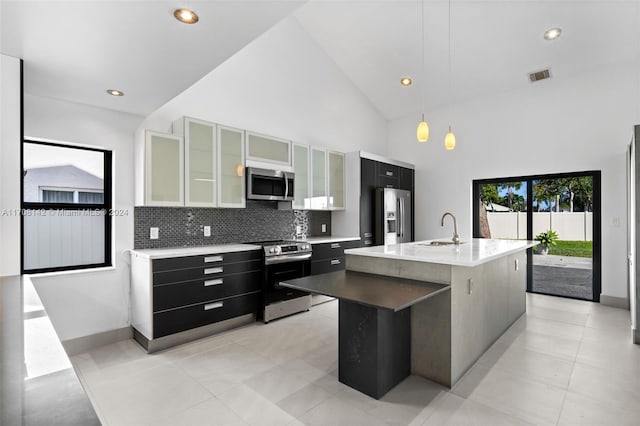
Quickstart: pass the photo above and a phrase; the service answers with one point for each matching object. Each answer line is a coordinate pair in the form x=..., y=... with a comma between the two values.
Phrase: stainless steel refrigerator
x=393, y=216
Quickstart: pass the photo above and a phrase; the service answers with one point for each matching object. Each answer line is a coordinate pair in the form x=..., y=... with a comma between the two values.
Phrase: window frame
x=106, y=206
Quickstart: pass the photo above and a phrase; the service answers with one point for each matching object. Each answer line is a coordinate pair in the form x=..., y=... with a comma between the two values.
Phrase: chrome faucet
x=456, y=237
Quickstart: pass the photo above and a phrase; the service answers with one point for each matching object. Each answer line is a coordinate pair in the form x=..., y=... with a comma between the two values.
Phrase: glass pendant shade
x=423, y=131
x=450, y=140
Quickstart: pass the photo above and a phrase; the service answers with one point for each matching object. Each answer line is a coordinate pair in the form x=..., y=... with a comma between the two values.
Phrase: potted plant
x=546, y=239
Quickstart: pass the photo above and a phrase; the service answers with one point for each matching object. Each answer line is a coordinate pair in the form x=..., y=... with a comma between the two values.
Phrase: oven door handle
x=286, y=258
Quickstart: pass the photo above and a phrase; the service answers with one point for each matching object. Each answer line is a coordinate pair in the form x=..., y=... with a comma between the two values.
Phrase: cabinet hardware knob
x=217, y=281
x=210, y=259
x=213, y=270
x=214, y=305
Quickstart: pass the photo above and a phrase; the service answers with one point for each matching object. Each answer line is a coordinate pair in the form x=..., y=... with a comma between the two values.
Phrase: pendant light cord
x=422, y=50
x=449, y=50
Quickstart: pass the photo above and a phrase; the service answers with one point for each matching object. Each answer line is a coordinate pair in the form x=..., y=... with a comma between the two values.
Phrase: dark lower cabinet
x=329, y=257
x=188, y=317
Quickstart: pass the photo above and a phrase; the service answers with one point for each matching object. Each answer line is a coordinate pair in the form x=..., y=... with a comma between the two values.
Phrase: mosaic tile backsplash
x=259, y=221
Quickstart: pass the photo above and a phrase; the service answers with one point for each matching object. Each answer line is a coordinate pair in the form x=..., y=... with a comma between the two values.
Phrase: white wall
x=9, y=165
x=85, y=303
x=282, y=84
x=576, y=124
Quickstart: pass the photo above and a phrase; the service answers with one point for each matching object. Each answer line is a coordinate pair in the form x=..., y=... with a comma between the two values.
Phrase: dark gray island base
x=374, y=325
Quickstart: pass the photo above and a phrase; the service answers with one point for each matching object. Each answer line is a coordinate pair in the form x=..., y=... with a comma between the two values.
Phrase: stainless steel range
x=284, y=260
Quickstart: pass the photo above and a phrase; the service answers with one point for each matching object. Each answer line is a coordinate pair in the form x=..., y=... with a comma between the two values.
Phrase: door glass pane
x=301, y=170
x=336, y=180
x=563, y=222
x=503, y=210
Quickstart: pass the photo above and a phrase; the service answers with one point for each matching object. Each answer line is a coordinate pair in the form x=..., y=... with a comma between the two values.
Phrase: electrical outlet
x=154, y=233
x=207, y=231
x=298, y=230
x=324, y=227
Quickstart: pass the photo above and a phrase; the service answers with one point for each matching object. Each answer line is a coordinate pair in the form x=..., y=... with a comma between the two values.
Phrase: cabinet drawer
x=181, y=319
x=327, y=265
x=388, y=170
x=331, y=250
x=388, y=182
x=204, y=290
x=209, y=271
x=160, y=265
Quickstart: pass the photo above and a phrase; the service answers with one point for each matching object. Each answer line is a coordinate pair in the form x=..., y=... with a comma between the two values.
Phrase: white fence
x=577, y=226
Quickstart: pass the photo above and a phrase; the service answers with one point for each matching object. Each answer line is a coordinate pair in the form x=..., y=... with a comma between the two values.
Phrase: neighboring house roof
x=493, y=207
x=58, y=177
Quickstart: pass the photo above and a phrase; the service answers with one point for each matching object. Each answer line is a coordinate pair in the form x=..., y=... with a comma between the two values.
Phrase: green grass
x=572, y=248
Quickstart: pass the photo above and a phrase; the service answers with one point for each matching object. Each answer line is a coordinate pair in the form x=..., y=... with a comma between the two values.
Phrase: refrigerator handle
x=402, y=214
x=398, y=217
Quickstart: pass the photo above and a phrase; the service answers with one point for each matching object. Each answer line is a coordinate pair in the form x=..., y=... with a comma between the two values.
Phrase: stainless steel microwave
x=266, y=184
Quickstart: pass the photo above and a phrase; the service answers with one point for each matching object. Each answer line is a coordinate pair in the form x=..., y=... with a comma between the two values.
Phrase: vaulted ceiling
x=76, y=50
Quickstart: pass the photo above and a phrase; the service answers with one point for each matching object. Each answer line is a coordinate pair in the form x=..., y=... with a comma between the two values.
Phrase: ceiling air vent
x=540, y=75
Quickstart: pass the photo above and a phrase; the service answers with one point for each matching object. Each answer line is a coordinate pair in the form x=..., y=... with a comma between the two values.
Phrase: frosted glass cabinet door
x=318, y=178
x=200, y=151
x=231, y=180
x=301, y=199
x=336, y=180
x=268, y=149
x=164, y=169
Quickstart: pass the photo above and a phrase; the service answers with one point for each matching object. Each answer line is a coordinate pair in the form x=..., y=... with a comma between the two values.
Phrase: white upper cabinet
x=267, y=149
x=319, y=199
x=164, y=169
x=231, y=180
x=335, y=174
x=301, y=198
x=200, y=161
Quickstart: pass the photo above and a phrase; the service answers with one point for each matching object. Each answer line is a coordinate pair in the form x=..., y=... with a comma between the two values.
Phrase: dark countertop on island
x=368, y=289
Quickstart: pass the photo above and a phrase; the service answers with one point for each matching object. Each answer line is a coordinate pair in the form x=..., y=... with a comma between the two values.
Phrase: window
x=66, y=193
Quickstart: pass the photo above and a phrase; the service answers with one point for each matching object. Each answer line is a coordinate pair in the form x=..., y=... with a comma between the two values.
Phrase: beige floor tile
x=581, y=410
x=148, y=396
x=528, y=400
x=560, y=303
x=558, y=315
x=529, y=364
x=561, y=347
x=403, y=404
x=224, y=359
x=303, y=400
x=208, y=413
x=616, y=356
x=607, y=386
x=222, y=381
x=339, y=410
x=606, y=317
x=452, y=410
x=553, y=328
x=253, y=408
x=619, y=334
x=277, y=383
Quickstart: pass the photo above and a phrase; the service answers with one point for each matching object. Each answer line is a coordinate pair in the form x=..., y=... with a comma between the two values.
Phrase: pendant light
x=423, y=128
x=450, y=138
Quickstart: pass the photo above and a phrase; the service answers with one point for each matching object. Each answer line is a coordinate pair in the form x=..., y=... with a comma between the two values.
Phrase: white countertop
x=330, y=239
x=163, y=253
x=469, y=253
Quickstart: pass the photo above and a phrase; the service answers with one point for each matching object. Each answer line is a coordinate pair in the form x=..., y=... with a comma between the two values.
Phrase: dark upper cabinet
x=376, y=174
x=368, y=183
x=406, y=179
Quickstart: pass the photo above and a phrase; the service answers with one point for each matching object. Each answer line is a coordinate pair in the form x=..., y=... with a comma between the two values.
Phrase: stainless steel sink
x=438, y=243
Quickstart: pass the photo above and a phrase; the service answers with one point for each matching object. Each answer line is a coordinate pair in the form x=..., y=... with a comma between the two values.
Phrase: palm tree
x=510, y=187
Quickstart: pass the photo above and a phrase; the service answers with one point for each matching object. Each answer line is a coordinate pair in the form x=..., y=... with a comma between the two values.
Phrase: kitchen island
x=471, y=293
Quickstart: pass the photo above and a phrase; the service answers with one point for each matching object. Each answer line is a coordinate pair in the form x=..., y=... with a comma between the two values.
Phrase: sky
x=36, y=155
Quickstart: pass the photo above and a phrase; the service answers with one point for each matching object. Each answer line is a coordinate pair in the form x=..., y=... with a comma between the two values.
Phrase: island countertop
x=468, y=253
x=372, y=290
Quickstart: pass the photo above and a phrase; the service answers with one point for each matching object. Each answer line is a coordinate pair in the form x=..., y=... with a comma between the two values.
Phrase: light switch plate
x=324, y=227
x=154, y=233
x=207, y=231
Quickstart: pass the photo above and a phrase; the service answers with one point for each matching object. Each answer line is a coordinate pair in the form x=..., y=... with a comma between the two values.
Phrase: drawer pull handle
x=335, y=261
x=217, y=281
x=389, y=173
x=213, y=270
x=335, y=245
x=210, y=259
x=214, y=305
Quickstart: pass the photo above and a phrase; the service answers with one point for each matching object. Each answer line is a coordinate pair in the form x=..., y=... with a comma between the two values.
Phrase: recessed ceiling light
x=186, y=16
x=406, y=81
x=552, y=34
x=113, y=92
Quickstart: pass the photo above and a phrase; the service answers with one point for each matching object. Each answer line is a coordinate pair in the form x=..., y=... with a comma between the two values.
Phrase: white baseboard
x=86, y=343
x=615, y=302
